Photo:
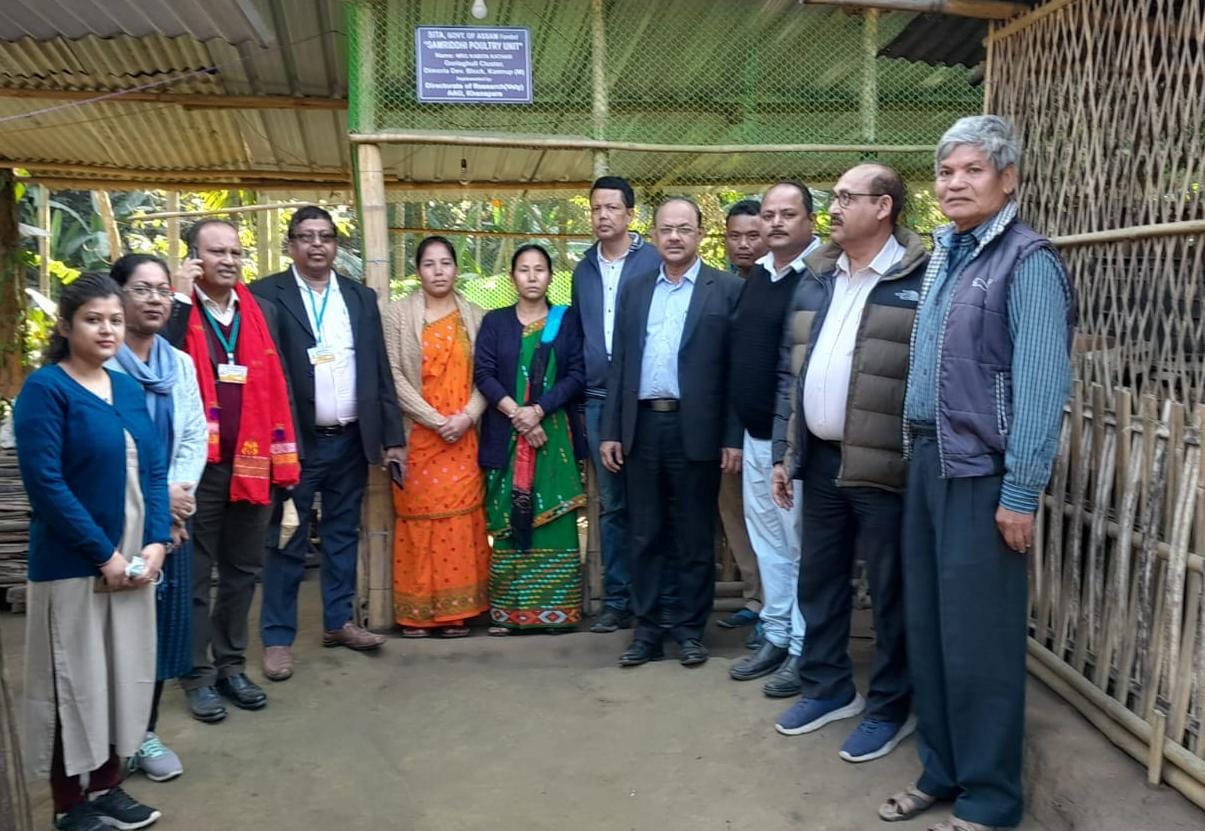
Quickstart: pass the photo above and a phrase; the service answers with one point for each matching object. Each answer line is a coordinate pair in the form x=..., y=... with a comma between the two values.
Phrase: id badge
x=321, y=355
x=232, y=374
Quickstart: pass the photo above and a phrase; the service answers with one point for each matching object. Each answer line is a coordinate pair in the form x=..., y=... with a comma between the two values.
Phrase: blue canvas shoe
x=756, y=638
x=874, y=738
x=742, y=617
x=808, y=714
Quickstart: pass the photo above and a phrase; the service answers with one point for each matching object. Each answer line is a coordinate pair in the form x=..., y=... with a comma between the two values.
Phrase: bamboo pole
x=477, y=232
x=263, y=259
x=600, y=104
x=148, y=175
x=1164, y=229
x=104, y=206
x=981, y=9
x=376, y=556
x=868, y=99
x=187, y=100
x=580, y=143
x=237, y=209
x=43, y=203
x=173, y=231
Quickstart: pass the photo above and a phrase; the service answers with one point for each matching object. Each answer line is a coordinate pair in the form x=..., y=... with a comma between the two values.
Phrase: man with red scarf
x=252, y=448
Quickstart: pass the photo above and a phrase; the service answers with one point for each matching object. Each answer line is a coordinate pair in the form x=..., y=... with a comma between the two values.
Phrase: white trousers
x=776, y=536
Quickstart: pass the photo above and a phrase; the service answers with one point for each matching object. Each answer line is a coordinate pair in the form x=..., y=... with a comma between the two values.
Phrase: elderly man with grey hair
x=989, y=375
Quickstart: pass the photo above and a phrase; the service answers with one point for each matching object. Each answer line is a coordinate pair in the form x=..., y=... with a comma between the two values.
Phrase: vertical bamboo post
x=362, y=56
x=376, y=562
x=263, y=242
x=43, y=201
x=273, y=243
x=601, y=103
x=104, y=206
x=173, y=231
x=868, y=106
x=1154, y=759
x=14, y=797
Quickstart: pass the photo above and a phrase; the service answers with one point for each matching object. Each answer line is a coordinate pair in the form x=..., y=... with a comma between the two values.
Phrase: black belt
x=596, y=392
x=922, y=428
x=660, y=405
x=334, y=429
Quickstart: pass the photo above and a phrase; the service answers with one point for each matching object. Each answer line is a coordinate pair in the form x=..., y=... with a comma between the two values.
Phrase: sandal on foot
x=906, y=804
x=454, y=632
x=956, y=824
x=415, y=632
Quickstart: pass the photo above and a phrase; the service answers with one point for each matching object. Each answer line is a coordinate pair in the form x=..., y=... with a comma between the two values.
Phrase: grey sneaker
x=155, y=760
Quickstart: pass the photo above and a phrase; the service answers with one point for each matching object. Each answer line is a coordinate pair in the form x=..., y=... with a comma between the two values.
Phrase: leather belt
x=660, y=405
x=333, y=429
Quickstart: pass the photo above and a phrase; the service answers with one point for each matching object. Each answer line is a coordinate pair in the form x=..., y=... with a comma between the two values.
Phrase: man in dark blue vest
x=989, y=376
x=608, y=266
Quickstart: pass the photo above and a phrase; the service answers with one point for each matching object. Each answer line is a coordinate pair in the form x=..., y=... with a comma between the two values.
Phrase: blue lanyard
x=319, y=314
x=227, y=343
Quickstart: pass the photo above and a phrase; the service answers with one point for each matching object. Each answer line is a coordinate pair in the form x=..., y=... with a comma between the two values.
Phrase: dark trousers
x=336, y=469
x=69, y=791
x=671, y=530
x=839, y=526
x=965, y=597
x=229, y=535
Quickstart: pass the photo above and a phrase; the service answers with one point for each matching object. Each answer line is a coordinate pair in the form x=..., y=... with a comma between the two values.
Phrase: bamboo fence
x=1107, y=95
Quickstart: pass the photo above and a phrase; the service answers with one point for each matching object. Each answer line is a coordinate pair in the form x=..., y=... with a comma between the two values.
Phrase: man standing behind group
x=839, y=430
x=607, y=267
x=744, y=244
x=787, y=222
x=668, y=427
x=229, y=337
x=333, y=350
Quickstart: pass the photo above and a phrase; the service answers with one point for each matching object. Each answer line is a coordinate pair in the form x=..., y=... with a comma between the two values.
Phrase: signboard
x=473, y=64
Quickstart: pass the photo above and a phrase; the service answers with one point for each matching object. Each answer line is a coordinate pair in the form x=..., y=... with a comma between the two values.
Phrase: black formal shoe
x=692, y=653
x=641, y=652
x=611, y=620
x=206, y=705
x=762, y=662
x=240, y=690
x=785, y=682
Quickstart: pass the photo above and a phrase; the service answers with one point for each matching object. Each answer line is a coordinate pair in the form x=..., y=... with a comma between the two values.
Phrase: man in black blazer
x=668, y=426
x=333, y=350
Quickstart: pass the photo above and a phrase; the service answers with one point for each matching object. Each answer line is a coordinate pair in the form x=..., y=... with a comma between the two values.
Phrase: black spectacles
x=311, y=236
x=846, y=197
x=143, y=292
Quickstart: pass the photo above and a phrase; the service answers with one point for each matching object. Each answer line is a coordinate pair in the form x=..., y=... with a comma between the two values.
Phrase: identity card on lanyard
x=229, y=372
x=322, y=352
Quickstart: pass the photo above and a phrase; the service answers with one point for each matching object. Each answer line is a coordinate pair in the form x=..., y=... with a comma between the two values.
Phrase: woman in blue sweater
x=95, y=472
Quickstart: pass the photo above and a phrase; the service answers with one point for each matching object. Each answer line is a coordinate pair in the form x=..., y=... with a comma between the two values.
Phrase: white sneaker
x=155, y=760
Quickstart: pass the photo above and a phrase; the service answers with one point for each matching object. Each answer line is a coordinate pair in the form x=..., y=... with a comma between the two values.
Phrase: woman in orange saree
x=440, y=551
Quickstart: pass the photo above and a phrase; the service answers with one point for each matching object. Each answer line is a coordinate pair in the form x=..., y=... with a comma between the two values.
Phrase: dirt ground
x=531, y=733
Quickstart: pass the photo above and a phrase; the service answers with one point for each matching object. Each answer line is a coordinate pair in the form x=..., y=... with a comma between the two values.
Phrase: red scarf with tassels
x=266, y=451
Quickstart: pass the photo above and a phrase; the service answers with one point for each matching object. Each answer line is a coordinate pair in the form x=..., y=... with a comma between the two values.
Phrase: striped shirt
x=1038, y=301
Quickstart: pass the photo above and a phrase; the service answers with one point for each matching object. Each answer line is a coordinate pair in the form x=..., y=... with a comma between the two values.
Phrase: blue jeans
x=612, y=516
x=337, y=469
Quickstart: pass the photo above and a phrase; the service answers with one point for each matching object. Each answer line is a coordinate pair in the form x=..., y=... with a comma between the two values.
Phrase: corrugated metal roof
x=235, y=21
x=942, y=40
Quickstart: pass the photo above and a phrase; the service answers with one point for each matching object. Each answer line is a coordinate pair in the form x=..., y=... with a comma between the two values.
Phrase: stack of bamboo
x=14, y=533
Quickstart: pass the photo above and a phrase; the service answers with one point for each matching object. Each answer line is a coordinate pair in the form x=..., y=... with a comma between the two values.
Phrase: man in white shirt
x=838, y=429
x=333, y=351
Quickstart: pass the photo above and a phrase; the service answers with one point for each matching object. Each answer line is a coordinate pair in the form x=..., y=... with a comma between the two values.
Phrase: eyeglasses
x=680, y=230
x=312, y=236
x=144, y=292
x=846, y=197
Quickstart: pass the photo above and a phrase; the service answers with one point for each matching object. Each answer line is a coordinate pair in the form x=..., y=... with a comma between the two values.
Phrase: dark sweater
x=756, y=337
x=72, y=453
x=495, y=373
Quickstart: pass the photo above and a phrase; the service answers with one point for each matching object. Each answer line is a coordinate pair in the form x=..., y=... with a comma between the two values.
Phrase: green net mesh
x=747, y=76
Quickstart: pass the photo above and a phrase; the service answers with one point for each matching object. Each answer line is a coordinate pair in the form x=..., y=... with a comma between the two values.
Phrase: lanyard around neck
x=228, y=343
x=319, y=313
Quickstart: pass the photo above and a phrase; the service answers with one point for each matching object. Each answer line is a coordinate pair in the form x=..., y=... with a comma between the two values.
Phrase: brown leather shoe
x=353, y=637
x=278, y=663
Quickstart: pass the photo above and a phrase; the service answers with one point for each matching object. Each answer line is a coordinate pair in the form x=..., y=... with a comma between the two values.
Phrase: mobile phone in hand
x=397, y=474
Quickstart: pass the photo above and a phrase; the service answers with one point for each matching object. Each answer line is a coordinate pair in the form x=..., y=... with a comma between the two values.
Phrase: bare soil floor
x=512, y=734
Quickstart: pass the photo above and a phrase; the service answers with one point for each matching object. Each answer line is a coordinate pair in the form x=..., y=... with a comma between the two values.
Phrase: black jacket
x=708, y=419
x=380, y=417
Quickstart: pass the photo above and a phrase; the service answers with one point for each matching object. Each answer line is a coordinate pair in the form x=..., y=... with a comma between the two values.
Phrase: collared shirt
x=796, y=264
x=663, y=334
x=224, y=316
x=334, y=381
x=611, y=270
x=1038, y=300
x=826, y=386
